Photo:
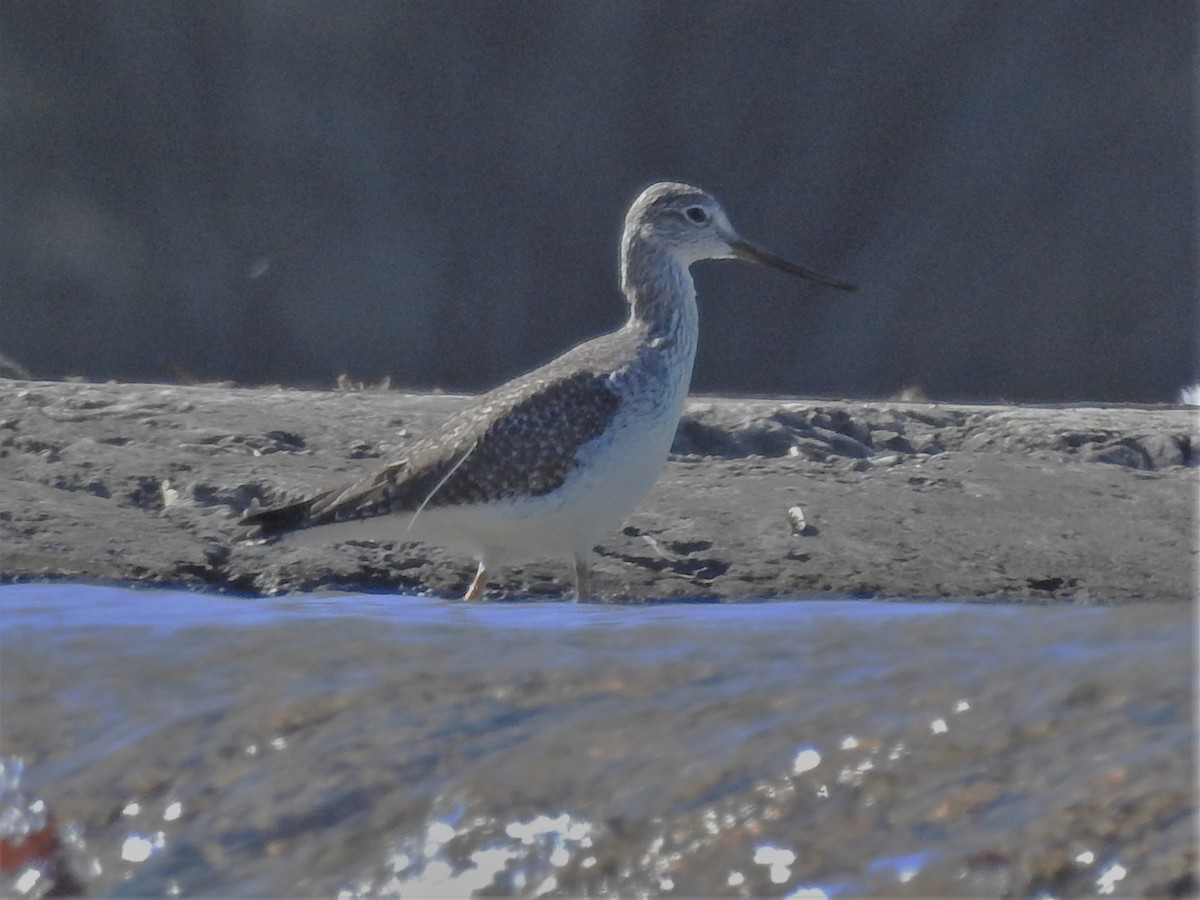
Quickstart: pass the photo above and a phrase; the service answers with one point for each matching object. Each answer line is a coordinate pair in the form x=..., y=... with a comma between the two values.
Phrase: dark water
x=386, y=745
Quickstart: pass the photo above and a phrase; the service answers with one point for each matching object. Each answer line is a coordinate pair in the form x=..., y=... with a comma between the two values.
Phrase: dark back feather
x=520, y=439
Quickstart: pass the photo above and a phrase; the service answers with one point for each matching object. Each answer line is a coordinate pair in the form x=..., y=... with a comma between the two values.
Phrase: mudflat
x=144, y=483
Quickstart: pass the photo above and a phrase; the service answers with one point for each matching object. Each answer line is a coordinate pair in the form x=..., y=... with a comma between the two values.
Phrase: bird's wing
x=520, y=439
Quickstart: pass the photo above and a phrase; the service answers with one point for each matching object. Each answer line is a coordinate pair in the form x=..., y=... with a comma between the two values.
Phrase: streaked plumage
x=550, y=461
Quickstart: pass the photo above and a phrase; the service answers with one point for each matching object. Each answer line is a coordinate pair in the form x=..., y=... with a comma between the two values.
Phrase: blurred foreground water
x=159, y=743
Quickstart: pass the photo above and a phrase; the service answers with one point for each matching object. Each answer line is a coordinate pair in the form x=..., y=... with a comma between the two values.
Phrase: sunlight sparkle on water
x=1108, y=879
x=27, y=880
x=136, y=848
x=853, y=776
x=806, y=760
x=778, y=858
x=515, y=856
x=526, y=832
x=437, y=833
x=807, y=893
x=904, y=867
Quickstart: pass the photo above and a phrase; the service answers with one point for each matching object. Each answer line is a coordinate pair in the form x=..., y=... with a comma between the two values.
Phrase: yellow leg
x=583, y=578
x=475, y=591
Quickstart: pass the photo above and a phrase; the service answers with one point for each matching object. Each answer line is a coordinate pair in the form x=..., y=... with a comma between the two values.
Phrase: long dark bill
x=743, y=249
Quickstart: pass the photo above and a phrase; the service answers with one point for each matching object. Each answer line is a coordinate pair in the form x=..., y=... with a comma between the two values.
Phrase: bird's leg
x=475, y=591
x=583, y=577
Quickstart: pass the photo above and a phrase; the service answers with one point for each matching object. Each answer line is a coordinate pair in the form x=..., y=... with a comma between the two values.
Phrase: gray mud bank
x=144, y=483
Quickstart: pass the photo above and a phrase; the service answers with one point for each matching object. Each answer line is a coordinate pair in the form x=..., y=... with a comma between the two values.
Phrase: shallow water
x=381, y=745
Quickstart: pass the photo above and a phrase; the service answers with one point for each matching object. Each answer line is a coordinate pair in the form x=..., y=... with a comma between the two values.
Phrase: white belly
x=616, y=471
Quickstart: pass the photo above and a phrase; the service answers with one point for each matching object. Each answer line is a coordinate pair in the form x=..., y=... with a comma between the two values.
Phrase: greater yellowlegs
x=547, y=463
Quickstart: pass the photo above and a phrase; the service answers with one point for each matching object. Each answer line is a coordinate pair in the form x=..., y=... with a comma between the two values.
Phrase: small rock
x=1120, y=454
x=170, y=496
x=809, y=448
x=768, y=439
x=842, y=444
x=890, y=440
x=1163, y=450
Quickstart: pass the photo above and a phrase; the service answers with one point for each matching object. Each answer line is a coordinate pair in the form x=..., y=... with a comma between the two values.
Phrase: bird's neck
x=660, y=291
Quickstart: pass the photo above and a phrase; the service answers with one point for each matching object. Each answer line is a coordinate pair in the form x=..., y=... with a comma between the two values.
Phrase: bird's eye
x=697, y=214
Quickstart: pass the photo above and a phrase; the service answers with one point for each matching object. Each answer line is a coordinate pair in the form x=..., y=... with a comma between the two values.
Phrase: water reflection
x=71, y=608
x=380, y=746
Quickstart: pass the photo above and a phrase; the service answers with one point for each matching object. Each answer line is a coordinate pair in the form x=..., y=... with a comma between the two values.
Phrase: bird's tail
x=277, y=520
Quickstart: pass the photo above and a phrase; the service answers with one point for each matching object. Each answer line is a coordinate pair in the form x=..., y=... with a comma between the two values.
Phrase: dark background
x=283, y=192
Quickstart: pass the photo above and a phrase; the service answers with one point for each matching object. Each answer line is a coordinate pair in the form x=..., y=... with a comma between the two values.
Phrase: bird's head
x=690, y=225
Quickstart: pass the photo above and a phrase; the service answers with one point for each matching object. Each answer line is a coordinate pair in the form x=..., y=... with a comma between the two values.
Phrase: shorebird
x=547, y=463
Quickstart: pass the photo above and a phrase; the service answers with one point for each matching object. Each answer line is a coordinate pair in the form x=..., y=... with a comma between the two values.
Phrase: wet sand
x=143, y=484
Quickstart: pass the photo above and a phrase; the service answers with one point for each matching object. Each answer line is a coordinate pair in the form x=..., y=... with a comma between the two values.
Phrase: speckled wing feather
x=520, y=439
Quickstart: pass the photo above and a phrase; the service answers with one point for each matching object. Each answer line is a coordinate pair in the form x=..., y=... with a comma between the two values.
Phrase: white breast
x=615, y=471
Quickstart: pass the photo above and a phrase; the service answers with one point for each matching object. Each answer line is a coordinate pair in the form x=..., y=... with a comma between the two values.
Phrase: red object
x=15, y=853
